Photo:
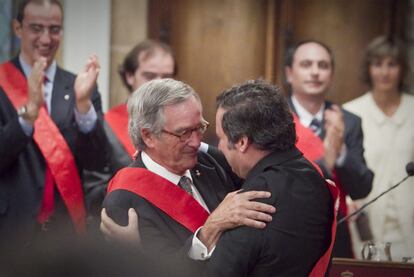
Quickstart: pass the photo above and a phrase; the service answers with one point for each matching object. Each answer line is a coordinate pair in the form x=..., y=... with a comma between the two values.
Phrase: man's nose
x=315, y=69
x=45, y=37
x=195, y=139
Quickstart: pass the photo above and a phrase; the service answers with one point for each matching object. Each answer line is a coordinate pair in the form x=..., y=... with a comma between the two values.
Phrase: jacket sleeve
x=12, y=138
x=354, y=175
x=93, y=147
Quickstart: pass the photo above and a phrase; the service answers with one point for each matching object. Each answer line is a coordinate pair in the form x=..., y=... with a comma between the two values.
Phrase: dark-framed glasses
x=186, y=134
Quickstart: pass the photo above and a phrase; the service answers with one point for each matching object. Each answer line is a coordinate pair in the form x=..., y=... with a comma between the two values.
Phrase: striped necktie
x=185, y=183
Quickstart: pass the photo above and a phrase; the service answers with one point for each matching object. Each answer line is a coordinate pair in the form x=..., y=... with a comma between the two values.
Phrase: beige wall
x=129, y=27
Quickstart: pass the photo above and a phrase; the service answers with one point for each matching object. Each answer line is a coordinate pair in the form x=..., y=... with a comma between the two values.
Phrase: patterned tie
x=315, y=126
x=185, y=183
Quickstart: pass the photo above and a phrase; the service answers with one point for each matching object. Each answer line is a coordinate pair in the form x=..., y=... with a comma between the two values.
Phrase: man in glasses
x=49, y=128
x=176, y=189
x=147, y=61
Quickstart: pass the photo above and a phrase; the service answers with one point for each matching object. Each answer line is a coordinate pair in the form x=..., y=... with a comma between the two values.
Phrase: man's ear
x=17, y=28
x=148, y=138
x=243, y=144
x=288, y=74
x=130, y=78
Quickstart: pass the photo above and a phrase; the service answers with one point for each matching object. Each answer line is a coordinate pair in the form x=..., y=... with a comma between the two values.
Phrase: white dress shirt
x=198, y=250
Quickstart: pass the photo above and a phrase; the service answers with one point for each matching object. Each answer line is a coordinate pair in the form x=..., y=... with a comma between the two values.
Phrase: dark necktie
x=185, y=183
x=315, y=126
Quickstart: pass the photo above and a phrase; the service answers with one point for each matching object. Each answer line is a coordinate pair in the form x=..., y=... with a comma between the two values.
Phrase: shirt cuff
x=26, y=126
x=340, y=161
x=198, y=250
x=203, y=147
x=86, y=122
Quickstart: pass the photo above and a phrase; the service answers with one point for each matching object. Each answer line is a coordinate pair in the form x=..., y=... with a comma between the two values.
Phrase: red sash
x=117, y=118
x=312, y=148
x=322, y=264
x=163, y=194
x=52, y=145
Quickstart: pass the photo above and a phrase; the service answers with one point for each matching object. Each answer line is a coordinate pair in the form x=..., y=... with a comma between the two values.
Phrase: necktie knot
x=315, y=126
x=185, y=183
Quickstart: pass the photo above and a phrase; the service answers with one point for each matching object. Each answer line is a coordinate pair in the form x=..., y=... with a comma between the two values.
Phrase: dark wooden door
x=222, y=42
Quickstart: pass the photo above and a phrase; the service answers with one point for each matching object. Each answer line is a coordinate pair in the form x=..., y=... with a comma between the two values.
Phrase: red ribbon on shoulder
x=117, y=118
x=163, y=194
x=52, y=145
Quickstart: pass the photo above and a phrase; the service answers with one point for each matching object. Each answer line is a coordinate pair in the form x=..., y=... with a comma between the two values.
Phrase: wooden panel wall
x=217, y=44
x=129, y=27
x=222, y=42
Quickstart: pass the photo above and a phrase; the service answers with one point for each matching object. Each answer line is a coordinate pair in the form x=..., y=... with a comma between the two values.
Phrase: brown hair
x=380, y=48
x=131, y=61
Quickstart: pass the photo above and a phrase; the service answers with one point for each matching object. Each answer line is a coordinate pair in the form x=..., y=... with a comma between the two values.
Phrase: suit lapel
x=203, y=178
x=63, y=97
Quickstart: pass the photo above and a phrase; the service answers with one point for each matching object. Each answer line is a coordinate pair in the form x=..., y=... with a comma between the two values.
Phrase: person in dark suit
x=175, y=188
x=257, y=136
x=50, y=128
x=337, y=133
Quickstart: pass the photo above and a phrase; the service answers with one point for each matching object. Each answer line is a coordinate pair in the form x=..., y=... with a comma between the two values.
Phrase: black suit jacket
x=160, y=234
x=354, y=175
x=22, y=167
x=299, y=233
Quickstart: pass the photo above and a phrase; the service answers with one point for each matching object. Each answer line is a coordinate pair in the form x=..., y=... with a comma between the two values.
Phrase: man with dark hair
x=256, y=133
x=327, y=134
x=50, y=128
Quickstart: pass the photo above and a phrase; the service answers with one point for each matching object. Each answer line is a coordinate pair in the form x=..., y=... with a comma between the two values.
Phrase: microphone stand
x=373, y=200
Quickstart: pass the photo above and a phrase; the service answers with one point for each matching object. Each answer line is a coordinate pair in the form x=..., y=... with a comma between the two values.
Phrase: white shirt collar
x=50, y=71
x=156, y=168
x=306, y=117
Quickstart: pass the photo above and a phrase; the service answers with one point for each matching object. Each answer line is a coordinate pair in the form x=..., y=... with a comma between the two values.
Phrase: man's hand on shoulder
x=237, y=209
x=125, y=234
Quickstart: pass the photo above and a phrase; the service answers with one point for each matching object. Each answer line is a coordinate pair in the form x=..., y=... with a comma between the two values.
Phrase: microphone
x=409, y=168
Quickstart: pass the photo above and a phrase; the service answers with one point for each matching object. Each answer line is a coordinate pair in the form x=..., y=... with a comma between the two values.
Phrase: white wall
x=87, y=30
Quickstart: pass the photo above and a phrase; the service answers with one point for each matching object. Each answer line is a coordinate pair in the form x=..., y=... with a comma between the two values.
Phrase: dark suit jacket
x=22, y=167
x=355, y=177
x=160, y=234
x=300, y=230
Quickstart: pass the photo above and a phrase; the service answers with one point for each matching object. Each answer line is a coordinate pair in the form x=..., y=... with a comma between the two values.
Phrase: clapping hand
x=85, y=83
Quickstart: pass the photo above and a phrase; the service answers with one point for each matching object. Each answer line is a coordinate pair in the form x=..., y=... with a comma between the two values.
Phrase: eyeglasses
x=186, y=134
x=38, y=29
